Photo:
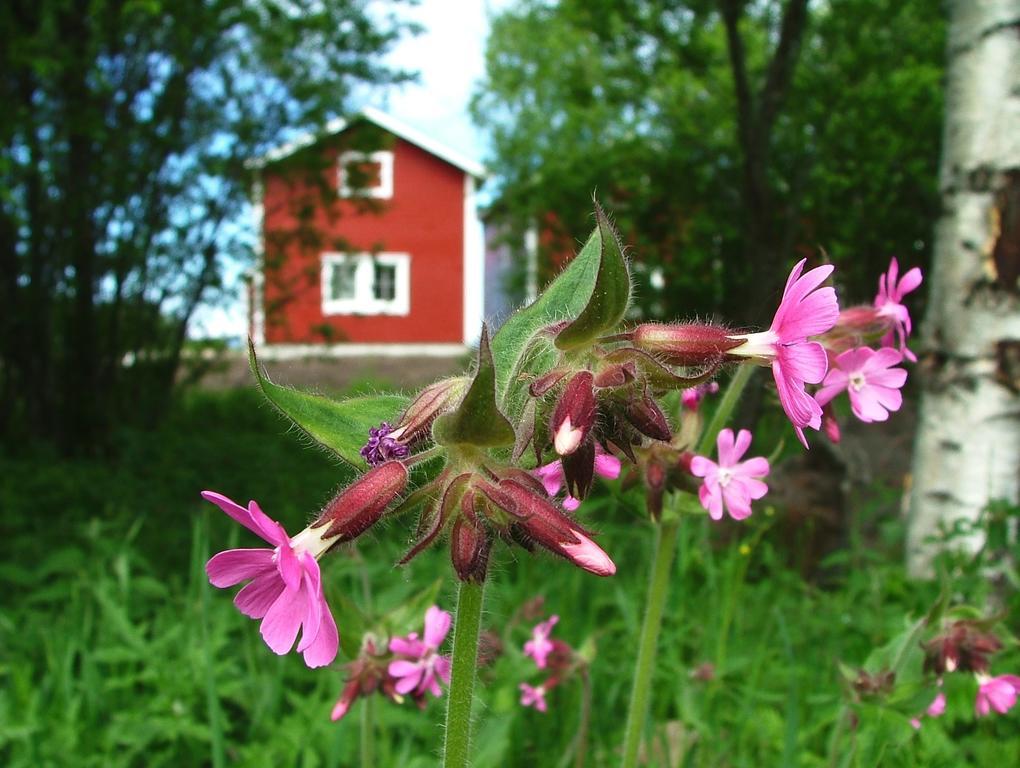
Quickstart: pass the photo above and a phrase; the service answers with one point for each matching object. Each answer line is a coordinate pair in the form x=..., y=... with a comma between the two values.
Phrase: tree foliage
x=724, y=135
x=122, y=154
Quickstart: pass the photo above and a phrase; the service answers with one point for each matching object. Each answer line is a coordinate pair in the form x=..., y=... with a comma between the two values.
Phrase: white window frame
x=364, y=301
x=383, y=190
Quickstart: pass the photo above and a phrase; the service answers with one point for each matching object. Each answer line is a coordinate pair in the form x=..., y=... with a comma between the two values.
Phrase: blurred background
x=356, y=186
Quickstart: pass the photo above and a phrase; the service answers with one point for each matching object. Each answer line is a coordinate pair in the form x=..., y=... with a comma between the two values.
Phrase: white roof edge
x=384, y=121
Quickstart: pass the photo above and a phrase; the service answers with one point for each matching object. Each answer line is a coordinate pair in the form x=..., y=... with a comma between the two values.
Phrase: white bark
x=968, y=443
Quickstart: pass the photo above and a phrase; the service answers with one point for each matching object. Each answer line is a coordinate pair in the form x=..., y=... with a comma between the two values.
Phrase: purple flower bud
x=574, y=415
x=357, y=508
x=687, y=344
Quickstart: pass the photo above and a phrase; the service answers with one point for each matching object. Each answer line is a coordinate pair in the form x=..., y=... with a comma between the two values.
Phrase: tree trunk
x=968, y=442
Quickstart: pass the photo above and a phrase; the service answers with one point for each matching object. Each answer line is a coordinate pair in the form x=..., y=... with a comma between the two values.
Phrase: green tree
x=122, y=159
x=724, y=135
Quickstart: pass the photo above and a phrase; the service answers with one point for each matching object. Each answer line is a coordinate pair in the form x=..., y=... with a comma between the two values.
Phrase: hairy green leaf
x=609, y=298
x=340, y=426
x=477, y=420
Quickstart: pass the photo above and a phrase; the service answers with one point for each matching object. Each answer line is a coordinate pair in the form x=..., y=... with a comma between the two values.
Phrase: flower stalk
x=666, y=535
x=456, y=750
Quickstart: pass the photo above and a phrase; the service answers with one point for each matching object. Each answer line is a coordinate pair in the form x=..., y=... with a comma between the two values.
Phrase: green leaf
x=517, y=356
x=609, y=298
x=339, y=426
x=477, y=420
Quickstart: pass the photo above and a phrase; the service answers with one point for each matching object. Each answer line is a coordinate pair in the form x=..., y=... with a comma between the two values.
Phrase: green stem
x=367, y=733
x=582, y=729
x=729, y=401
x=456, y=752
x=658, y=588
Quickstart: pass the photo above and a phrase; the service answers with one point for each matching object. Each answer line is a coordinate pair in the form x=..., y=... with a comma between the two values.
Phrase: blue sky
x=449, y=57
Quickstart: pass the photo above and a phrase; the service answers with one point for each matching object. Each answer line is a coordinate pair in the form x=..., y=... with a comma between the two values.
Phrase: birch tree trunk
x=968, y=442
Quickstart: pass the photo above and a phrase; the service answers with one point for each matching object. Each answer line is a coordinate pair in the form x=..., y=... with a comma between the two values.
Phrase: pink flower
x=889, y=303
x=533, y=696
x=938, y=706
x=285, y=590
x=422, y=665
x=805, y=310
x=540, y=646
x=731, y=484
x=551, y=475
x=869, y=378
x=998, y=693
x=691, y=397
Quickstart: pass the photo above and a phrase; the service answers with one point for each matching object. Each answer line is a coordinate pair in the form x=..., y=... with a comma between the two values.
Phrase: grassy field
x=115, y=651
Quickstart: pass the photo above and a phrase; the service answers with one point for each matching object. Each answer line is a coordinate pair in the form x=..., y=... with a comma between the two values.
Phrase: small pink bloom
x=938, y=706
x=731, y=484
x=551, y=475
x=540, y=646
x=805, y=310
x=691, y=397
x=889, y=303
x=285, y=588
x=533, y=696
x=998, y=693
x=418, y=671
x=869, y=378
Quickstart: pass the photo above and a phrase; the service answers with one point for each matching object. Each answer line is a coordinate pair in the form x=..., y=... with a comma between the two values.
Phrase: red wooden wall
x=424, y=218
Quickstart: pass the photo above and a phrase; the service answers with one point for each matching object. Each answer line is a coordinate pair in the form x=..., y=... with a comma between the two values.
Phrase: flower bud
x=646, y=416
x=579, y=470
x=546, y=525
x=358, y=507
x=964, y=646
x=416, y=421
x=470, y=544
x=687, y=344
x=574, y=415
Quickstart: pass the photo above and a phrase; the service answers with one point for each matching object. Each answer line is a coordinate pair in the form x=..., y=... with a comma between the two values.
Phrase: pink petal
x=607, y=466
x=835, y=382
x=408, y=646
x=724, y=445
x=886, y=357
x=324, y=647
x=740, y=447
x=816, y=314
x=442, y=668
x=437, y=624
x=801, y=408
x=736, y=501
x=752, y=487
x=805, y=361
x=408, y=674
x=236, y=511
x=570, y=503
x=313, y=605
x=910, y=281
x=589, y=555
x=289, y=566
x=551, y=477
x=755, y=467
x=282, y=622
x=711, y=500
x=702, y=467
x=271, y=530
x=226, y=569
x=255, y=600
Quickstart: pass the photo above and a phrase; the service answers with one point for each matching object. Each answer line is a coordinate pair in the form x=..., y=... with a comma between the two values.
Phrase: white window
x=366, y=174
x=366, y=284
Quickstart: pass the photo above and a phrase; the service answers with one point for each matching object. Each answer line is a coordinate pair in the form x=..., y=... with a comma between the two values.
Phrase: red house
x=370, y=244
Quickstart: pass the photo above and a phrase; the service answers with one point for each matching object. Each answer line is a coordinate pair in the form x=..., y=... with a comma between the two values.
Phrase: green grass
x=115, y=651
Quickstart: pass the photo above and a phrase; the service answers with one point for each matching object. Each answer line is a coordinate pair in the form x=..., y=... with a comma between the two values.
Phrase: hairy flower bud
x=416, y=421
x=470, y=544
x=574, y=415
x=357, y=508
x=545, y=524
x=645, y=415
x=684, y=344
x=964, y=646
